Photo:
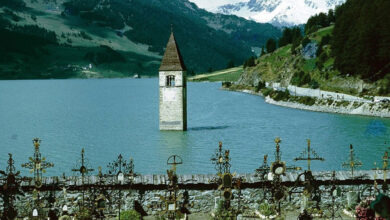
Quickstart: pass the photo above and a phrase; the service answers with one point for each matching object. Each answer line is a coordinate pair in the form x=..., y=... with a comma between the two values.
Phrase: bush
x=385, y=86
x=306, y=100
x=314, y=84
x=130, y=215
x=84, y=214
x=266, y=92
x=250, y=62
x=222, y=213
x=280, y=95
x=305, y=41
x=300, y=78
x=267, y=209
x=85, y=35
x=260, y=86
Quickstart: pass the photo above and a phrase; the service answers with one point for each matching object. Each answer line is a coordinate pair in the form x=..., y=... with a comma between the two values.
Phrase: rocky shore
x=324, y=104
x=351, y=108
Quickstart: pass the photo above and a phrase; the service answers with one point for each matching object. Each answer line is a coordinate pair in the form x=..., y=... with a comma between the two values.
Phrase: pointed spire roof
x=172, y=60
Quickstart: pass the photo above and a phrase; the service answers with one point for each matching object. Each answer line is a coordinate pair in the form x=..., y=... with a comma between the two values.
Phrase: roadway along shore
x=377, y=106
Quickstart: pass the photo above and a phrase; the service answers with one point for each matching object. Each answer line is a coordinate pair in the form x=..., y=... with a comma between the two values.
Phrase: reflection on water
x=208, y=128
x=376, y=128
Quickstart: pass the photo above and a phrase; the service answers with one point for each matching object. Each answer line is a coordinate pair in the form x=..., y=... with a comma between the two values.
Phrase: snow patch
x=280, y=12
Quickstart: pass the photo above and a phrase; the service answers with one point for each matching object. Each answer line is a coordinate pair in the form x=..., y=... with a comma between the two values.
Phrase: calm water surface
x=112, y=116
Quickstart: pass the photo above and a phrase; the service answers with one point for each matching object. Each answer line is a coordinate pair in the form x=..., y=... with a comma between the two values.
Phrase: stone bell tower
x=173, y=89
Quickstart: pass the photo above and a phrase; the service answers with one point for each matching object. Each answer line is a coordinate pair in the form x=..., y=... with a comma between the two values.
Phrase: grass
x=281, y=52
x=281, y=65
x=309, y=65
x=72, y=26
x=317, y=36
x=54, y=62
x=329, y=62
x=226, y=75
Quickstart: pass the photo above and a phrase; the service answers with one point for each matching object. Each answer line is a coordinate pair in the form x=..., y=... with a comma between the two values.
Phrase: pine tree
x=262, y=51
x=361, y=38
x=271, y=45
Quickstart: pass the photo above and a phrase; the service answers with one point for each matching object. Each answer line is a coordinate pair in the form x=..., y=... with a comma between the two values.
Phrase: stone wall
x=202, y=191
x=199, y=201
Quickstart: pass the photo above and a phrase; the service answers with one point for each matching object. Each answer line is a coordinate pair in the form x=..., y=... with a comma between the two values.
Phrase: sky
x=212, y=4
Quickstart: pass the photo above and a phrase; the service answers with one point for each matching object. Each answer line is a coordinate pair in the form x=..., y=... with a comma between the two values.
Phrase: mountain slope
x=279, y=12
x=305, y=69
x=119, y=38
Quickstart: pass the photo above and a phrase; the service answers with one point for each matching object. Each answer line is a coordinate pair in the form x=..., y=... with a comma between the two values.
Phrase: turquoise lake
x=112, y=116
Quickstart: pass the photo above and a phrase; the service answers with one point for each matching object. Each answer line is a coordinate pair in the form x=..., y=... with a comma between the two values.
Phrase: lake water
x=112, y=116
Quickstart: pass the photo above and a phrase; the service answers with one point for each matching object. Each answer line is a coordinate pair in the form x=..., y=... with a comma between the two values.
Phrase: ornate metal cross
x=353, y=162
x=83, y=169
x=221, y=160
x=10, y=167
x=121, y=165
x=263, y=169
x=174, y=160
x=335, y=192
x=37, y=164
x=11, y=188
x=171, y=198
x=279, y=167
x=385, y=161
x=306, y=155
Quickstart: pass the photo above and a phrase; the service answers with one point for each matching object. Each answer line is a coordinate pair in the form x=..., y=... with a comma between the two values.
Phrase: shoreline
x=362, y=109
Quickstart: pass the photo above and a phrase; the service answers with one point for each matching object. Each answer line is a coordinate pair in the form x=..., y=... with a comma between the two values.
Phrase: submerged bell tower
x=173, y=89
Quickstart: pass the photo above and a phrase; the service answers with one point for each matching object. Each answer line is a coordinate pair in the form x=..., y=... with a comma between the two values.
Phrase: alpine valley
x=118, y=38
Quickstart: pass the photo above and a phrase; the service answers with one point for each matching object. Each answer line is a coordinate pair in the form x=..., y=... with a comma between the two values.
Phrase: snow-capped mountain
x=278, y=12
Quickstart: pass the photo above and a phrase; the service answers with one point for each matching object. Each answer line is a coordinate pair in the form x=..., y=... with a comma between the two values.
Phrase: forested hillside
x=61, y=38
x=346, y=50
x=361, y=39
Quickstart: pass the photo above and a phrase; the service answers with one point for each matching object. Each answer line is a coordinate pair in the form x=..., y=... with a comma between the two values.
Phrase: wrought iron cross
x=264, y=168
x=121, y=165
x=174, y=160
x=10, y=167
x=221, y=160
x=335, y=192
x=217, y=159
x=278, y=168
x=353, y=162
x=171, y=199
x=307, y=155
x=10, y=189
x=37, y=164
x=278, y=156
x=385, y=161
x=83, y=169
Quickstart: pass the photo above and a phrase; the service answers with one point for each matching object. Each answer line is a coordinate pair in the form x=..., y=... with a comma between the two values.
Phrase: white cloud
x=213, y=4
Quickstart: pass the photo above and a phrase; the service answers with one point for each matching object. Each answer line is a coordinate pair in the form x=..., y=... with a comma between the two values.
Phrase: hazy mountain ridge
x=279, y=12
